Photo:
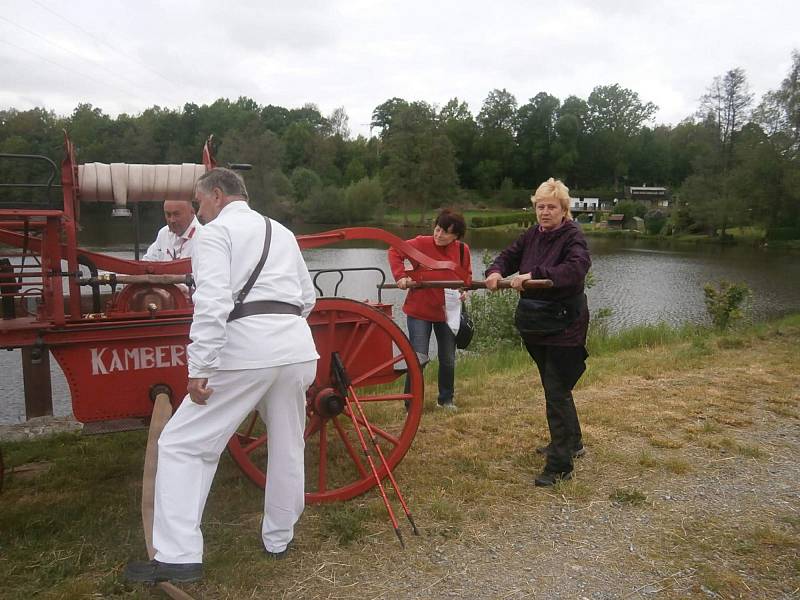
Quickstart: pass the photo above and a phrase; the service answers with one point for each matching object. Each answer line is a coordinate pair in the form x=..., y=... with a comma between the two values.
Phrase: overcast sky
x=125, y=56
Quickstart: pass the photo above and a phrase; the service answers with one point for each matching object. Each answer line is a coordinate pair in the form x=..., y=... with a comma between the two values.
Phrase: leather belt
x=263, y=307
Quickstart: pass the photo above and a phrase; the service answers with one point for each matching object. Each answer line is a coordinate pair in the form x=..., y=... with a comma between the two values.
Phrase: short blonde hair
x=556, y=190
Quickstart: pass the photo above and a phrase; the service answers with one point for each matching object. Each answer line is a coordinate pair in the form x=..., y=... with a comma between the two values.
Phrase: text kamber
x=108, y=360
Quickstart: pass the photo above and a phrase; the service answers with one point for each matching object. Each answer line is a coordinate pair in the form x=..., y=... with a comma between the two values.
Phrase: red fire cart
x=126, y=336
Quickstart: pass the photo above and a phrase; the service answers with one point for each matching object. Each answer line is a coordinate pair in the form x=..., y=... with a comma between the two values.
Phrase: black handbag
x=466, y=329
x=547, y=317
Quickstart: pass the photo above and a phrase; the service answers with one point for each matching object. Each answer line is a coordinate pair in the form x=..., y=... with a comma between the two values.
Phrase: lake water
x=640, y=281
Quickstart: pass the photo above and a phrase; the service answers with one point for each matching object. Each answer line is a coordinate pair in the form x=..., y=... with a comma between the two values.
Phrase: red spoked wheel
x=376, y=355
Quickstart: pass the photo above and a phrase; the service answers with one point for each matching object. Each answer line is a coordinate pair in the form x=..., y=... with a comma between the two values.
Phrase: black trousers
x=560, y=368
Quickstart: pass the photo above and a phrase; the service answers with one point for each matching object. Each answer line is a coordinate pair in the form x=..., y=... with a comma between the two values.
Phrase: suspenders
x=260, y=307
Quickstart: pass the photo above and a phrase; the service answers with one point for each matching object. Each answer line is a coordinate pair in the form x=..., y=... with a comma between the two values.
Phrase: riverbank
x=738, y=236
x=689, y=489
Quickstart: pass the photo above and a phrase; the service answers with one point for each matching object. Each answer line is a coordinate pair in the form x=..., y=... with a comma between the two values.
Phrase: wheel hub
x=328, y=403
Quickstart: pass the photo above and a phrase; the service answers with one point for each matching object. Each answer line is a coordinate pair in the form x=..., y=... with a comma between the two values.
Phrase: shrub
x=305, y=181
x=325, y=205
x=725, y=303
x=630, y=209
x=783, y=233
x=510, y=197
x=493, y=315
x=654, y=221
x=363, y=199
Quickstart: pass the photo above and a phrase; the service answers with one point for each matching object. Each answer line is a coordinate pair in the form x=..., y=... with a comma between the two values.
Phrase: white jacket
x=171, y=246
x=226, y=252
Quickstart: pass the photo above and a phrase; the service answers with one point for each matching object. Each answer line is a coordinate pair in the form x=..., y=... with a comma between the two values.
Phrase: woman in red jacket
x=425, y=308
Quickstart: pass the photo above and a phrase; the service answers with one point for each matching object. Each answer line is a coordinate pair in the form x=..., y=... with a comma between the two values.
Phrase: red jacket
x=427, y=304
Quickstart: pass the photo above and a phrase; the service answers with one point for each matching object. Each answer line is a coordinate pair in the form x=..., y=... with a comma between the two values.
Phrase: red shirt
x=427, y=304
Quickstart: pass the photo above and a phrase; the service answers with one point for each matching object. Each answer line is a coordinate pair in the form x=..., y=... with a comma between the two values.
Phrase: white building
x=584, y=204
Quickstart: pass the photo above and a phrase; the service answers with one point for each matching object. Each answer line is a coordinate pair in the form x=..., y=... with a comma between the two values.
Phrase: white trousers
x=191, y=443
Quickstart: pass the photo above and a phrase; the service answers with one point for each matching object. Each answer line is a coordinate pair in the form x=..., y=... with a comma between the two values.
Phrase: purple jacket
x=560, y=255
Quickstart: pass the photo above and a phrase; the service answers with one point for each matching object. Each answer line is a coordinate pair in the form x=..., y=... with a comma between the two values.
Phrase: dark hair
x=230, y=182
x=451, y=222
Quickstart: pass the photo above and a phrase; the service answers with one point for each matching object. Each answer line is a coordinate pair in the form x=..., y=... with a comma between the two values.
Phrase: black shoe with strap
x=550, y=478
x=576, y=453
x=154, y=571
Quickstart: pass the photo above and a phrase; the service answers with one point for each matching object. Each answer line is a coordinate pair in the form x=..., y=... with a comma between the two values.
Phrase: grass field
x=690, y=489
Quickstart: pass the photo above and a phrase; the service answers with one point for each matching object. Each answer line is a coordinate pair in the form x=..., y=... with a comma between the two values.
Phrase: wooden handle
x=113, y=278
x=162, y=411
x=530, y=284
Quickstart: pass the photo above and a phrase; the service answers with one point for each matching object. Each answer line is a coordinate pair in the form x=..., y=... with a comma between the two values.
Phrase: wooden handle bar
x=530, y=284
x=113, y=278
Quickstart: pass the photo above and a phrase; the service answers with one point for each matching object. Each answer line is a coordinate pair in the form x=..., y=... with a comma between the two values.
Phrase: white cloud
x=124, y=56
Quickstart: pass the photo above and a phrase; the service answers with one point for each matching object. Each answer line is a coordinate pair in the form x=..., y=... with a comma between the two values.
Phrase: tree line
x=734, y=162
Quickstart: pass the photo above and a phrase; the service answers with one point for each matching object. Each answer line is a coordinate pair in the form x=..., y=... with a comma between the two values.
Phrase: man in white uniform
x=265, y=360
x=175, y=239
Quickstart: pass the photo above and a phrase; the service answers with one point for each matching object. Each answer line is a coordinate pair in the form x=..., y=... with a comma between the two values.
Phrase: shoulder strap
x=460, y=254
x=257, y=271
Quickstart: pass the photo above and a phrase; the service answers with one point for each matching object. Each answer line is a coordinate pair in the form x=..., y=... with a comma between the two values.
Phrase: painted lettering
x=148, y=357
x=161, y=354
x=107, y=360
x=176, y=355
x=98, y=368
x=131, y=354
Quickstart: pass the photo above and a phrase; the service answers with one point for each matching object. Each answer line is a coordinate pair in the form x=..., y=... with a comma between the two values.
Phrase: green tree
x=325, y=205
x=725, y=106
x=339, y=123
x=88, y=128
x=420, y=166
x=689, y=142
x=726, y=103
x=297, y=139
x=654, y=221
x=615, y=117
x=462, y=131
x=275, y=118
x=384, y=113
x=497, y=124
x=355, y=171
x=571, y=148
x=536, y=136
x=629, y=209
x=650, y=158
x=771, y=162
x=364, y=200
x=270, y=191
x=564, y=150
x=304, y=182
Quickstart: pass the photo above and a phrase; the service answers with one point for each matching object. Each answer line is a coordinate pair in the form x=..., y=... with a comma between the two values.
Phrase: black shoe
x=278, y=555
x=577, y=453
x=550, y=478
x=449, y=405
x=154, y=571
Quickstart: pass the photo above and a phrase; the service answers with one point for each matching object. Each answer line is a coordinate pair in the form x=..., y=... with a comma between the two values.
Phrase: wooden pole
x=530, y=284
x=36, y=379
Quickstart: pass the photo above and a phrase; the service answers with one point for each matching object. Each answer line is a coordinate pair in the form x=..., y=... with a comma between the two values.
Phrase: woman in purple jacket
x=552, y=322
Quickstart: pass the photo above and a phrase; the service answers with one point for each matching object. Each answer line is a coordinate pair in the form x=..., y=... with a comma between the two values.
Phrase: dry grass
x=689, y=490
